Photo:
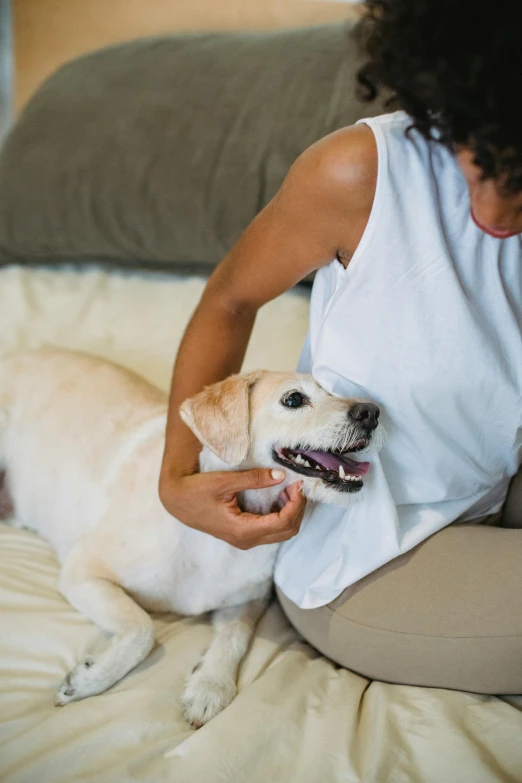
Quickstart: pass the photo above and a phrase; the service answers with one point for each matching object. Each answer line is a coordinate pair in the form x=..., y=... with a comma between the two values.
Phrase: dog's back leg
x=212, y=685
x=108, y=605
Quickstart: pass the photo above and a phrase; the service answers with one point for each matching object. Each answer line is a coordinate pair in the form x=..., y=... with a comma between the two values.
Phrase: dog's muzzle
x=335, y=468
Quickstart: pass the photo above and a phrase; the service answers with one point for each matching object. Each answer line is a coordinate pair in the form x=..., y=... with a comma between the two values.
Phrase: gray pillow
x=161, y=151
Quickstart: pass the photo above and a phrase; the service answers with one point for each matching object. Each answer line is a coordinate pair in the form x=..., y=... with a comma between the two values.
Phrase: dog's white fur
x=81, y=442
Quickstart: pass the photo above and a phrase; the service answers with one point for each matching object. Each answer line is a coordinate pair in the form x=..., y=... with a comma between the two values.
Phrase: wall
x=49, y=32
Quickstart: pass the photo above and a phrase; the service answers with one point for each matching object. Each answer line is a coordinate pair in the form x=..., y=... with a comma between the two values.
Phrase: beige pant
x=448, y=614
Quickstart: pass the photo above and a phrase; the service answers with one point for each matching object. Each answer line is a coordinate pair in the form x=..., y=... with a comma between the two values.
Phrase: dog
x=81, y=445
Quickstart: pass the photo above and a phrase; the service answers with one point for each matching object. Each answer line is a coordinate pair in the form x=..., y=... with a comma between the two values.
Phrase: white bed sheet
x=298, y=718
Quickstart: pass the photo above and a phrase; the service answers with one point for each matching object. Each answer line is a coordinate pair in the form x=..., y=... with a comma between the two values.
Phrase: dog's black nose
x=366, y=414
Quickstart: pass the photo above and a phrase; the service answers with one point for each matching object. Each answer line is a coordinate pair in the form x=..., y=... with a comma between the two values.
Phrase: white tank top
x=426, y=321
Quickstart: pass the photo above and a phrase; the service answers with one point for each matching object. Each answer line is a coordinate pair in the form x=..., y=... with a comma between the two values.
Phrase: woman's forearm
x=213, y=347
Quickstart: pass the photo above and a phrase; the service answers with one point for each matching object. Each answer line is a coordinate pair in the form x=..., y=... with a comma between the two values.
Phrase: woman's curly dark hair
x=456, y=70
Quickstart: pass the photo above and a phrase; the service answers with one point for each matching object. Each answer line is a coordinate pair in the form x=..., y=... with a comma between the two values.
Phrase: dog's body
x=81, y=443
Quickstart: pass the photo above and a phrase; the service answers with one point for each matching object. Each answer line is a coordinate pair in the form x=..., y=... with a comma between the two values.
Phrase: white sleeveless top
x=426, y=321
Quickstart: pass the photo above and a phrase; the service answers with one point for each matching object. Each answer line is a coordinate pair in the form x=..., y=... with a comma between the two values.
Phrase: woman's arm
x=320, y=211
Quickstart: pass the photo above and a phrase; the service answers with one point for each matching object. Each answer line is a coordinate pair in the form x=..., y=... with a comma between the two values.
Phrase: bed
x=298, y=717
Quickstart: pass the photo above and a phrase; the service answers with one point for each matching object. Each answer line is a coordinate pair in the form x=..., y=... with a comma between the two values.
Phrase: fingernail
x=278, y=474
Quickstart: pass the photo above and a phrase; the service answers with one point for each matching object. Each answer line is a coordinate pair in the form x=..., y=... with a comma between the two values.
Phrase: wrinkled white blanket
x=298, y=718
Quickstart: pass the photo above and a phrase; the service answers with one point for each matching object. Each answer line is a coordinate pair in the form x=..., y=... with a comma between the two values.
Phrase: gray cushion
x=161, y=151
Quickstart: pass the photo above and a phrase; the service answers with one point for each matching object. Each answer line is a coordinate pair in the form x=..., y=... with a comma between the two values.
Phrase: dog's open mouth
x=335, y=468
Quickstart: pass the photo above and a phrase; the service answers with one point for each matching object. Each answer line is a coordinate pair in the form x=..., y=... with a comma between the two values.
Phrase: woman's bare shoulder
x=347, y=156
x=343, y=168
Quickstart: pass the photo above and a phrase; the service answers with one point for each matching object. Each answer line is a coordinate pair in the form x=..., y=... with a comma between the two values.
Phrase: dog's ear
x=219, y=417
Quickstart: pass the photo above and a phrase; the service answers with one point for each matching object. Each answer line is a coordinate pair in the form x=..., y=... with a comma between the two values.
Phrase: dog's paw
x=81, y=681
x=205, y=696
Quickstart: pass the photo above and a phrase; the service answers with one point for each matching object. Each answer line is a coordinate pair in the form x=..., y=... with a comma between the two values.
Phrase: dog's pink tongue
x=331, y=461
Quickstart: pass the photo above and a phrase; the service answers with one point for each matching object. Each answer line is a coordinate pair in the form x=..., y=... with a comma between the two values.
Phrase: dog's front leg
x=213, y=683
x=109, y=606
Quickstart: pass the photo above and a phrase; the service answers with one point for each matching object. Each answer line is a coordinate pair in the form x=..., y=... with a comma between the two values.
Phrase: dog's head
x=269, y=419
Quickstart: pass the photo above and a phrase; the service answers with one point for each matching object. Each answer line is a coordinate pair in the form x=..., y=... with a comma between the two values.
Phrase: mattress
x=298, y=718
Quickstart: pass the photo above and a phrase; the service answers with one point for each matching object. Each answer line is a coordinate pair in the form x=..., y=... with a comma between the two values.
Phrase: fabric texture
x=162, y=151
x=298, y=717
x=426, y=322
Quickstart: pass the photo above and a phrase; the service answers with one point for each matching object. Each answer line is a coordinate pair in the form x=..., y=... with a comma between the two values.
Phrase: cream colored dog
x=81, y=444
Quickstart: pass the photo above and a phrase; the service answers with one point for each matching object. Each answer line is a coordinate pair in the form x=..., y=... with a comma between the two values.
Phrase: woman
x=414, y=221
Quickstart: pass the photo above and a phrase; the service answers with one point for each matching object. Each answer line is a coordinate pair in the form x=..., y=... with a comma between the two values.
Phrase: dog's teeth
x=342, y=474
x=317, y=467
x=305, y=463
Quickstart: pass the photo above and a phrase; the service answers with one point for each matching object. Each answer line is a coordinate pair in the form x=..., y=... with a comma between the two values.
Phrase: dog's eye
x=294, y=400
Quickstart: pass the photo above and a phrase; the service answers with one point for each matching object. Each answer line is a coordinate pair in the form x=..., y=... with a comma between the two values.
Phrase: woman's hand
x=208, y=502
